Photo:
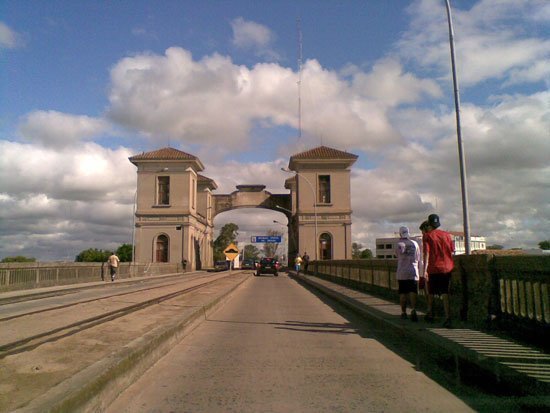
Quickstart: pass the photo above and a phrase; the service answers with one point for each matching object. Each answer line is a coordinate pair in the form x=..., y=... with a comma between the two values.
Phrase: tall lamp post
x=314, y=206
x=285, y=244
x=459, y=135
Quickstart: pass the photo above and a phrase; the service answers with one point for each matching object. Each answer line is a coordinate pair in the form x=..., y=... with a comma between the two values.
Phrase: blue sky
x=86, y=84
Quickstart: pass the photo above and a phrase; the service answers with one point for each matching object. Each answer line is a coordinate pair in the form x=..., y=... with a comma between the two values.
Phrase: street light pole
x=463, y=183
x=314, y=207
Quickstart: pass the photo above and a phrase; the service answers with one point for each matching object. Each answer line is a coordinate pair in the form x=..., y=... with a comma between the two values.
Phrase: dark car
x=247, y=265
x=221, y=265
x=267, y=266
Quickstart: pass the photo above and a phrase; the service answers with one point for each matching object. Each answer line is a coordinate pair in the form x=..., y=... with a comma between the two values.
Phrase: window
x=325, y=241
x=380, y=246
x=193, y=192
x=324, y=189
x=161, y=249
x=163, y=190
x=388, y=246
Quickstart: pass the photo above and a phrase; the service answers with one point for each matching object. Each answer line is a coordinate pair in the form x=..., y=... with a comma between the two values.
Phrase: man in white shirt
x=408, y=256
x=113, y=261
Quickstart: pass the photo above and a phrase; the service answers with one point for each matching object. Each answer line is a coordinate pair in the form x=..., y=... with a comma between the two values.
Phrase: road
x=277, y=347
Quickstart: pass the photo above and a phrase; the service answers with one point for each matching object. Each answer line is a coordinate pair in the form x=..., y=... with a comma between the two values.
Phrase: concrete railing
x=485, y=289
x=18, y=276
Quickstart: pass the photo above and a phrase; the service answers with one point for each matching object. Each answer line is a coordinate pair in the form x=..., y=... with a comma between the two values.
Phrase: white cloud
x=58, y=130
x=487, y=45
x=56, y=204
x=9, y=39
x=506, y=149
x=177, y=97
x=253, y=36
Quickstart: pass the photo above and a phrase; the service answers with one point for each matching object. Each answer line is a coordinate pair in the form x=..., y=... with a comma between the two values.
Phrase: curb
x=464, y=360
x=98, y=385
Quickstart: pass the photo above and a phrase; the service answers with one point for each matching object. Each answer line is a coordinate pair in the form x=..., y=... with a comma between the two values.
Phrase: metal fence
x=18, y=276
x=483, y=287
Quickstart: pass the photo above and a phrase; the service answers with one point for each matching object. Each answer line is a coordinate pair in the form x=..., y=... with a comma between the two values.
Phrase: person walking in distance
x=113, y=261
x=408, y=256
x=305, y=259
x=297, y=263
x=438, y=250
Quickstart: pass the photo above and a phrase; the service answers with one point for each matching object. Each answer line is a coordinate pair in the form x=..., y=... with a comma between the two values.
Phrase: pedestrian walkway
x=509, y=363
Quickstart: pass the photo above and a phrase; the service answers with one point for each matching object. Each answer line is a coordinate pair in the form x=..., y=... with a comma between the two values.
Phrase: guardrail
x=485, y=289
x=18, y=276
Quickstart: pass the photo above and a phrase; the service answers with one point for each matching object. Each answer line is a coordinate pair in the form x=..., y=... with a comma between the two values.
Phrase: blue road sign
x=271, y=239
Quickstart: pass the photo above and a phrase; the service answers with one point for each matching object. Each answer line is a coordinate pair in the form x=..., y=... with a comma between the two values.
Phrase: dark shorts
x=407, y=286
x=439, y=283
x=113, y=270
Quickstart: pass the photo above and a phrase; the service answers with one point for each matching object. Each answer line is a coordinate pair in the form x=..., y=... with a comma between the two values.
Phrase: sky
x=84, y=85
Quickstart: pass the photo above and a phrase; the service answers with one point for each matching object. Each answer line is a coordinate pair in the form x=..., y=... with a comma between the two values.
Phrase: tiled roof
x=324, y=152
x=164, y=154
x=207, y=181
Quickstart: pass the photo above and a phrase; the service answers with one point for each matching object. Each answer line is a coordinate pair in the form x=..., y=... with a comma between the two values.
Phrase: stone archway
x=172, y=197
x=251, y=196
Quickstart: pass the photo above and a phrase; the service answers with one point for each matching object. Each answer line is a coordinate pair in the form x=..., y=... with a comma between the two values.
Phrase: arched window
x=325, y=246
x=161, y=249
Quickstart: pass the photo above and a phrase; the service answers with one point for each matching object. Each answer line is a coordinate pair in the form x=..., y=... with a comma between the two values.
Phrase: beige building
x=175, y=206
x=173, y=218
x=321, y=203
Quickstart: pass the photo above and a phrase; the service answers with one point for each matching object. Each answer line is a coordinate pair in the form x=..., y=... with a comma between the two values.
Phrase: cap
x=424, y=226
x=404, y=232
x=433, y=220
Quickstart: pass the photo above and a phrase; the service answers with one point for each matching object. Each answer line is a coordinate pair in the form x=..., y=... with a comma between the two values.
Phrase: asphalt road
x=276, y=347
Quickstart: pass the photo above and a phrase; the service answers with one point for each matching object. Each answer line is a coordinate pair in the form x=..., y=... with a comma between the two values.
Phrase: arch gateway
x=175, y=206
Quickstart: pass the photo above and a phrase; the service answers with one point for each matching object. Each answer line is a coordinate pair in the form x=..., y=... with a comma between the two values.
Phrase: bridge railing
x=18, y=276
x=485, y=289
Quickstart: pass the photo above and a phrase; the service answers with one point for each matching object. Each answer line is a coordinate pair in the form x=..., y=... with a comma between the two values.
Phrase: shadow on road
x=479, y=391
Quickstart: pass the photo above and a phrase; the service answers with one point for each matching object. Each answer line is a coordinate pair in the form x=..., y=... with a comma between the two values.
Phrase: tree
x=495, y=247
x=228, y=234
x=366, y=254
x=19, y=258
x=356, y=250
x=251, y=252
x=544, y=245
x=93, y=255
x=124, y=252
x=270, y=249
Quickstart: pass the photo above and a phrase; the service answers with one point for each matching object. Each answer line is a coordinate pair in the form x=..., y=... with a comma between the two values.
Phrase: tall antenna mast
x=299, y=28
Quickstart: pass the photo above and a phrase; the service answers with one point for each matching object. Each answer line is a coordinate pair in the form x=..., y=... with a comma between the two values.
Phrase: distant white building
x=385, y=247
x=476, y=242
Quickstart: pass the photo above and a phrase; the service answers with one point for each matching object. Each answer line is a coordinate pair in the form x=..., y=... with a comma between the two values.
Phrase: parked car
x=267, y=266
x=247, y=265
x=221, y=265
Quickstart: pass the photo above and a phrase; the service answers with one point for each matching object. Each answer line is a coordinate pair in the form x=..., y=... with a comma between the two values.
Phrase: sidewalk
x=510, y=365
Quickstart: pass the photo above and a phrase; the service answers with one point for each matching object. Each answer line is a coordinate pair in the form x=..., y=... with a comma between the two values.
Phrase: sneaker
x=447, y=323
x=403, y=316
x=414, y=317
x=429, y=318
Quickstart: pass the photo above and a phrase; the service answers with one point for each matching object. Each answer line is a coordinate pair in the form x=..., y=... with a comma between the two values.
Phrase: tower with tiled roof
x=321, y=202
x=173, y=217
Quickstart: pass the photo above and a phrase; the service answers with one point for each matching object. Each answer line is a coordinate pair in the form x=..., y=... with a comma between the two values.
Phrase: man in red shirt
x=438, y=250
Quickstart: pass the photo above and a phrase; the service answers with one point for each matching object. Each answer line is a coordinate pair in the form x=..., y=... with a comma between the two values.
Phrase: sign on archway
x=266, y=239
